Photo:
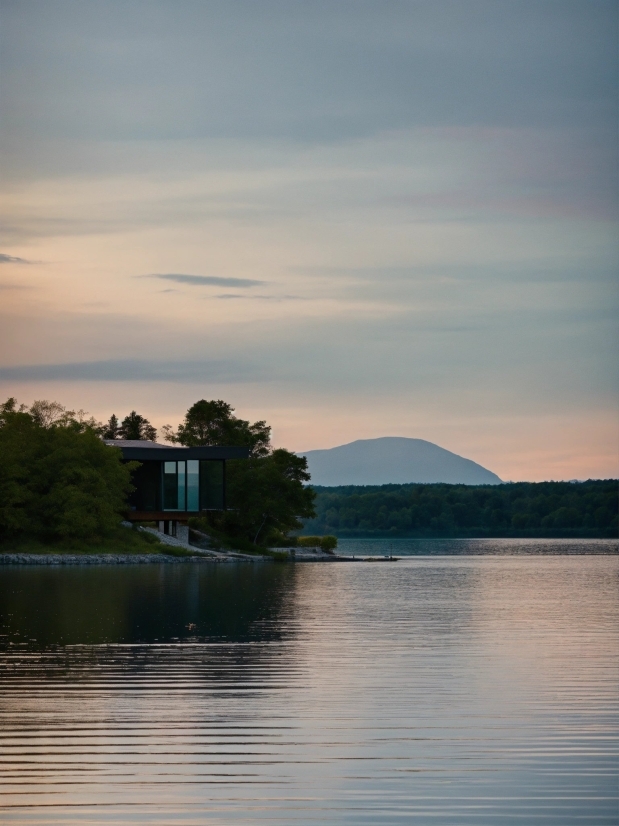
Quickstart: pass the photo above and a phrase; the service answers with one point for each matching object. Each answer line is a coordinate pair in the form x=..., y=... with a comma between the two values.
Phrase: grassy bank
x=220, y=541
x=122, y=541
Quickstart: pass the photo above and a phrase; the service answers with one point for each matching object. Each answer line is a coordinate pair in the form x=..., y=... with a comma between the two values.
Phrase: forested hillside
x=587, y=509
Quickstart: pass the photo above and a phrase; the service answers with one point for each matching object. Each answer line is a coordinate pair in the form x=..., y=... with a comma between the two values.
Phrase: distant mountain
x=393, y=459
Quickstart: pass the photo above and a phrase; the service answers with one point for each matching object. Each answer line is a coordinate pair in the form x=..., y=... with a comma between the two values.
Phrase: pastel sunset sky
x=352, y=219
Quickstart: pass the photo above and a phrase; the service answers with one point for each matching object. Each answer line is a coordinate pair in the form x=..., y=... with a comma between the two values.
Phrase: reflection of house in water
x=174, y=483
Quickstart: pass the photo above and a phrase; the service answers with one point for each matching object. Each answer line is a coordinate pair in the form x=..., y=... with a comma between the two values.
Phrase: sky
x=351, y=219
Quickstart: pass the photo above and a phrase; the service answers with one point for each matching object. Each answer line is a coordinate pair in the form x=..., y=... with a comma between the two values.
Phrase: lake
x=474, y=547
x=470, y=688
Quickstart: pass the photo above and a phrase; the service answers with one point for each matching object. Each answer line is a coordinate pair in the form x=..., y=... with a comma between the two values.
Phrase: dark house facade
x=174, y=483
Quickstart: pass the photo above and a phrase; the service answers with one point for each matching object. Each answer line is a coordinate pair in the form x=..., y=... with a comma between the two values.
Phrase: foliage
x=58, y=480
x=46, y=414
x=214, y=423
x=268, y=496
x=516, y=509
x=134, y=427
x=267, y=493
x=175, y=550
x=111, y=430
x=325, y=543
x=118, y=541
x=219, y=540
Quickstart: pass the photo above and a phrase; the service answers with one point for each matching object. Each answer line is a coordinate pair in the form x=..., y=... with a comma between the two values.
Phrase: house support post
x=168, y=527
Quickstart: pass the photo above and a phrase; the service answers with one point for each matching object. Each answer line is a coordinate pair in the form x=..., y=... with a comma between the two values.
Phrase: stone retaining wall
x=100, y=559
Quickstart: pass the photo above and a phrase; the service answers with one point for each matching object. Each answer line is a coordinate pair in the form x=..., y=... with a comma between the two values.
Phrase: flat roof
x=134, y=443
x=144, y=451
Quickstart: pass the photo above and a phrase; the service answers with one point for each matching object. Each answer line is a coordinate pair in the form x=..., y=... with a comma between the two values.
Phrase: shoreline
x=16, y=558
x=217, y=558
x=60, y=559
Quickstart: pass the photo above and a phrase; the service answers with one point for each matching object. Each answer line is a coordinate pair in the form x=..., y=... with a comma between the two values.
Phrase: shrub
x=325, y=543
x=328, y=543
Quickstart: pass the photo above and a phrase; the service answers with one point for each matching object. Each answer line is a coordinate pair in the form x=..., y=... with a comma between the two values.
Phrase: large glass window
x=147, y=482
x=211, y=485
x=182, y=485
x=174, y=486
x=170, y=487
x=193, y=485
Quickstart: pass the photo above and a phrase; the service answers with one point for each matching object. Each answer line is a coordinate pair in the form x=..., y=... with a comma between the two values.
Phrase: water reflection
x=143, y=603
x=438, y=690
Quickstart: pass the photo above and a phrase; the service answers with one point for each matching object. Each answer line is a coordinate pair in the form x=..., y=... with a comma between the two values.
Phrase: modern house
x=174, y=483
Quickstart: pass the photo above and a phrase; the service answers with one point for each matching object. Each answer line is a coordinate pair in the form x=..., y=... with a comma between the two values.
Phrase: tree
x=214, y=423
x=269, y=496
x=50, y=414
x=266, y=492
x=136, y=427
x=112, y=429
x=58, y=480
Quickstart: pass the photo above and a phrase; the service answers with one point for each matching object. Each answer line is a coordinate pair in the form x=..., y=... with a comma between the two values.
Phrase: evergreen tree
x=112, y=428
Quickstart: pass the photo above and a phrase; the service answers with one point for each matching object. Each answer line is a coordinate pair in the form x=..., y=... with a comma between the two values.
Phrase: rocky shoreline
x=114, y=559
x=164, y=559
x=192, y=553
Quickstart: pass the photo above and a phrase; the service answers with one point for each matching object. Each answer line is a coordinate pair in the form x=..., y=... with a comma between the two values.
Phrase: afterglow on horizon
x=351, y=219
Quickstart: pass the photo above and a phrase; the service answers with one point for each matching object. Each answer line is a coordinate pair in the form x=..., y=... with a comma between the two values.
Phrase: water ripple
x=451, y=690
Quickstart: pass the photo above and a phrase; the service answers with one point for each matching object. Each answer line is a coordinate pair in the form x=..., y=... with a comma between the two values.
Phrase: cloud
x=134, y=370
x=150, y=74
x=436, y=185
x=263, y=297
x=463, y=271
x=12, y=259
x=204, y=280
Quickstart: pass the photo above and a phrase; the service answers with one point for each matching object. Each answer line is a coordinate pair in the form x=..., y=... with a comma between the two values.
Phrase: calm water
x=469, y=547
x=433, y=690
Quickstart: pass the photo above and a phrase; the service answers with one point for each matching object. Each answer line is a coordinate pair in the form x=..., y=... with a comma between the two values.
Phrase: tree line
x=587, y=509
x=60, y=480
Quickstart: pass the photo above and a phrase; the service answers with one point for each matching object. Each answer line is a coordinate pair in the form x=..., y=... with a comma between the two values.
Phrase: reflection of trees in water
x=146, y=603
x=153, y=623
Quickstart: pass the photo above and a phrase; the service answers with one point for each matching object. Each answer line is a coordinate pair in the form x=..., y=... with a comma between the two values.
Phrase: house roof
x=144, y=451
x=133, y=443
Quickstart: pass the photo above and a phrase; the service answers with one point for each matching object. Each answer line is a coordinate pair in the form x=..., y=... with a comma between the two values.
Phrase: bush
x=328, y=543
x=325, y=543
x=220, y=540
